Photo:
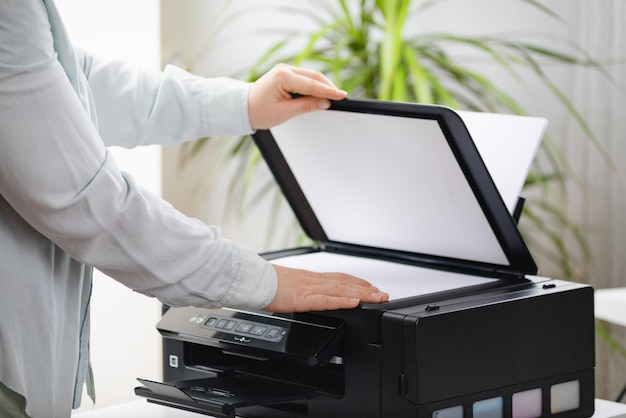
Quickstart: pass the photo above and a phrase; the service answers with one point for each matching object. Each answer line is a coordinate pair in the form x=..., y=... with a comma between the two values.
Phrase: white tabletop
x=144, y=409
x=610, y=305
x=607, y=409
x=137, y=409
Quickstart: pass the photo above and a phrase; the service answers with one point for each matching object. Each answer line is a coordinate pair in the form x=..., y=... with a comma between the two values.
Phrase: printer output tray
x=220, y=396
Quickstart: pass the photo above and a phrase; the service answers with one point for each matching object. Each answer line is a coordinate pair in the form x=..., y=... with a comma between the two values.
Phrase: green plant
x=363, y=46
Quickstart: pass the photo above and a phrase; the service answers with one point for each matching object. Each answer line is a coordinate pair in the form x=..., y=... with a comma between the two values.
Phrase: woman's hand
x=270, y=102
x=302, y=290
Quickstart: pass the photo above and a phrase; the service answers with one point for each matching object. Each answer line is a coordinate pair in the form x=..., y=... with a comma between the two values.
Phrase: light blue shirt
x=65, y=206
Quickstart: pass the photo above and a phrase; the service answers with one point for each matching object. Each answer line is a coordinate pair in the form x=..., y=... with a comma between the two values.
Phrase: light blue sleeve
x=57, y=174
x=137, y=106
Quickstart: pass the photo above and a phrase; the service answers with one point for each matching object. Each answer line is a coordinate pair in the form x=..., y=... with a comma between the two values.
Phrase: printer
x=422, y=201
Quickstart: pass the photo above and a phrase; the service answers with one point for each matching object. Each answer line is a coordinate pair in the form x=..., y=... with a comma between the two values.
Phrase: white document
x=507, y=144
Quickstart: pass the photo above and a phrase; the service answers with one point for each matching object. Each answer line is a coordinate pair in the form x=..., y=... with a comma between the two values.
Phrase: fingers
x=301, y=105
x=328, y=303
x=310, y=83
x=304, y=81
x=270, y=102
x=316, y=75
x=302, y=290
x=347, y=298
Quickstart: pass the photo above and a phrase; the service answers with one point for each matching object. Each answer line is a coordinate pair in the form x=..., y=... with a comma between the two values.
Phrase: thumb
x=306, y=104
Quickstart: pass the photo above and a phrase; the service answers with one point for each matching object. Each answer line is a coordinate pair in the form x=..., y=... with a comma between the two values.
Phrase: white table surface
x=610, y=305
x=144, y=409
x=137, y=409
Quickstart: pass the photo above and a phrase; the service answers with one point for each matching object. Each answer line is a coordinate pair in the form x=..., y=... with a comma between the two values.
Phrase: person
x=65, y=207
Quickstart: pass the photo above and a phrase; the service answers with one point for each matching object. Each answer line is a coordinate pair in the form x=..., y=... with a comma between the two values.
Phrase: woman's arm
x=138, y=106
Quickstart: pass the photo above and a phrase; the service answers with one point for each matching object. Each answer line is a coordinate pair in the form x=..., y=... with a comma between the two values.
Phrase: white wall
x=222, y=38
x=124, y=342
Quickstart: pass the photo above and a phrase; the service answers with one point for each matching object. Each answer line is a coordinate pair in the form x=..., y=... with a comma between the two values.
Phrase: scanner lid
x=407, y=181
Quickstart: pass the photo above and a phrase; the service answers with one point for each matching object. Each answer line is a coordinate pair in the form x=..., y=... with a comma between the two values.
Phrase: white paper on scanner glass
x=399, y=280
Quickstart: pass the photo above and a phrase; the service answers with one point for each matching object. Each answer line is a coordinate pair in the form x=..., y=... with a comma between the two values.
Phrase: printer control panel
x=243, y=329
x=302, y=337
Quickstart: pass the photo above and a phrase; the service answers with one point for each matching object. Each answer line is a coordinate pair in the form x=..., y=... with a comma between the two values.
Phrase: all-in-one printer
x=401, y=195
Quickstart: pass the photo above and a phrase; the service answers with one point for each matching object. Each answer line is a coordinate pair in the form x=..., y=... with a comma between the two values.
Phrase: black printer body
x=470, y=329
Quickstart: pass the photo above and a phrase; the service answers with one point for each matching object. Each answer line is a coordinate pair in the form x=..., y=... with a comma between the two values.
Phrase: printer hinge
x=403, y=386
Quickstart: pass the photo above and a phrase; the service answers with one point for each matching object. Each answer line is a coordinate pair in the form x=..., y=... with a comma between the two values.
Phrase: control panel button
x=244, y=327
x=258, y=330
x=273, y=333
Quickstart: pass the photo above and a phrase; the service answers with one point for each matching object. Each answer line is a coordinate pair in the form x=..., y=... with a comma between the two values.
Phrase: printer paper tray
x=217, y=396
